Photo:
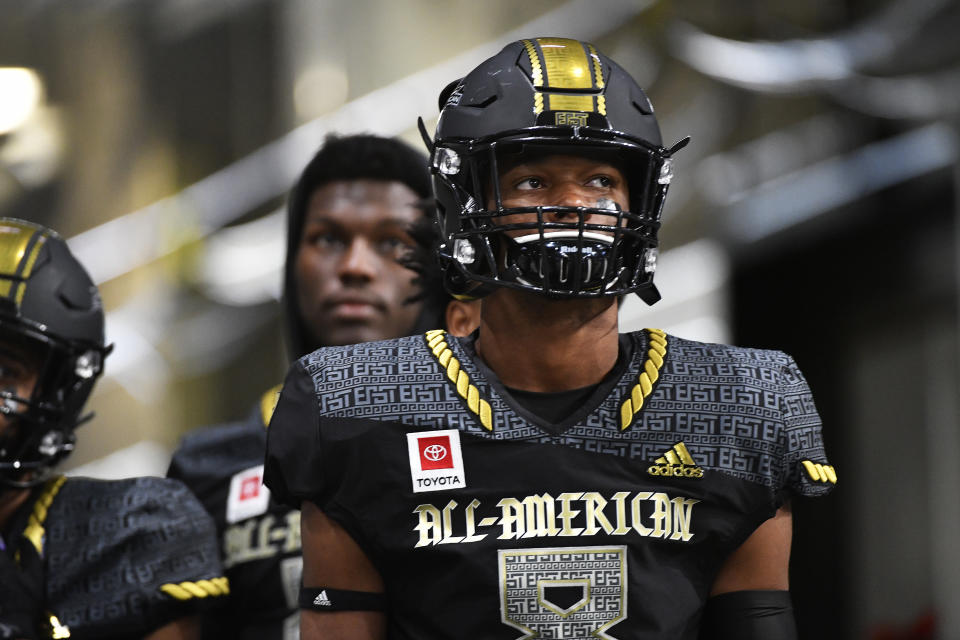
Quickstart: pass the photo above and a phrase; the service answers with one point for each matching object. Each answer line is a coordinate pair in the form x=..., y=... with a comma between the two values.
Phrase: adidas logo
x=676, y=462
x=322, y=600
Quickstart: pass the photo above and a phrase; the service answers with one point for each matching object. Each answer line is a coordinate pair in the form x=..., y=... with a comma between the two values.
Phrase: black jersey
x=487, y=523
x=259, y=537
x=119, y=558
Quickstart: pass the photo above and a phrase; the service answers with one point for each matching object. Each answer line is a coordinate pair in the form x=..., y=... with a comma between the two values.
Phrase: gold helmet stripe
x=566, y=64
x=28, y=267
x=597, y=68
x=20, y=245
x=536, y=71
x=563, y=102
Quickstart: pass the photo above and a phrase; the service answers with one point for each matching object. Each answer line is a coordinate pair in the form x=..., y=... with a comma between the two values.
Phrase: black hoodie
x=354, y=157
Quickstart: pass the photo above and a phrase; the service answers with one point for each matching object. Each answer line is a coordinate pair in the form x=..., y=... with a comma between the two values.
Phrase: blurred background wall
x=815, y=211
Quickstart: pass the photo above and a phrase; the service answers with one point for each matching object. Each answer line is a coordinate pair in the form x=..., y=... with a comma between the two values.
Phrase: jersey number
x=563, y=592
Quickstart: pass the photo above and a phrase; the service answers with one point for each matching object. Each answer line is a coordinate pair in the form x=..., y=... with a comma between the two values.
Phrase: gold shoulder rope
x=650, y=374
x=34, y=530
x=199, y=589
x=268, y=403
x=436, y=342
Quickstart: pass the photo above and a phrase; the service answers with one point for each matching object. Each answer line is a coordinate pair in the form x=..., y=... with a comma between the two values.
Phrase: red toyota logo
x=435, y=453
x=250, y=488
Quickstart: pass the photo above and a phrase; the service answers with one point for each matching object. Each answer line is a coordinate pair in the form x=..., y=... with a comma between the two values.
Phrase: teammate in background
x=349, y=230
x=80, y=558
x=548, y=476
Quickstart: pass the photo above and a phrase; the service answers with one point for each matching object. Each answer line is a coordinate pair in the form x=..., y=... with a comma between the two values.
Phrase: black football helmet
x=547, y=96
x=49, y=307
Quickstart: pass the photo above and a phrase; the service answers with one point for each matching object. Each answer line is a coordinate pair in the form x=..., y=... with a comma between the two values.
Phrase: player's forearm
x=182, y=629
x=342, y=625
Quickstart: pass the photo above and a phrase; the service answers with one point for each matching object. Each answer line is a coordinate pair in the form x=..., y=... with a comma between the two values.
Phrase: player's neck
x=537, y=344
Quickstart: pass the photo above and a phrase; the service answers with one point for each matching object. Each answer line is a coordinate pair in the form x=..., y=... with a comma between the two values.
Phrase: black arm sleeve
x=325, y=599
x=749, y=615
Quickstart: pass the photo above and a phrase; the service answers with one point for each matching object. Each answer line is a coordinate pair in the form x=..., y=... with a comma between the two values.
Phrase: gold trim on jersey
x=34, y=531
x=268, y=404
x=20, y=246
x=198, y=589
x=650, y=374
x=437, y=344
x=57, y=630
x=819, y=472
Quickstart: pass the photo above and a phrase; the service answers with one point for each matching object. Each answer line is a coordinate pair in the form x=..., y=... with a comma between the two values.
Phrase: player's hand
x=20, y=601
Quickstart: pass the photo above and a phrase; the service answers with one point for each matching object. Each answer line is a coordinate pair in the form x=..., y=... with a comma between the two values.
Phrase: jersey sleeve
x=806, y=470
x=292, y=466
x=126, y=557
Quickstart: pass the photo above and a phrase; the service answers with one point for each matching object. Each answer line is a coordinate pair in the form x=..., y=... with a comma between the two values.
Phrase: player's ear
x=462, y=317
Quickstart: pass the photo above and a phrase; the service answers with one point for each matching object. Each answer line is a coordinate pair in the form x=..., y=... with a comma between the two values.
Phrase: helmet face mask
x=491, y=118
x=51, y=330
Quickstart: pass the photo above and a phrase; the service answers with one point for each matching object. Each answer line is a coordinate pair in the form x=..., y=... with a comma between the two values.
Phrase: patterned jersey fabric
x=121, y=558
x=485, y=522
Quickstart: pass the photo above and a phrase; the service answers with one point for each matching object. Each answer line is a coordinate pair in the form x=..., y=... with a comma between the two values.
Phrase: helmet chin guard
x=563, y=263
x=548, y=96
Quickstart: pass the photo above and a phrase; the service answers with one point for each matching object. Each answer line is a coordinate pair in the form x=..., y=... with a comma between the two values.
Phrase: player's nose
x=359, y=261
x=569, y=194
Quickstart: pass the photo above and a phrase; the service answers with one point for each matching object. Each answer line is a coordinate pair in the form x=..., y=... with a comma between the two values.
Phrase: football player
x=350, y=228
x=80, y=558
x=547, y=476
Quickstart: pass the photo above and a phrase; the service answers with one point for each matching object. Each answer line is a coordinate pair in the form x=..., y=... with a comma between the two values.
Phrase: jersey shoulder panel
x=335, y=393
x=208, y=456
x=430, y=381
x=392, y=380
x=124, y=557
x=748, y=412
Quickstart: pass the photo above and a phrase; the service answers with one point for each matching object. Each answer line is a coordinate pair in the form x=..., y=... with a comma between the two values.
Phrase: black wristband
x=326, y=599
x=749, y=615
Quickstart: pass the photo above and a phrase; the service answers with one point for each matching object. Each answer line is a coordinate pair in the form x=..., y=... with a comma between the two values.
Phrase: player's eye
x=529, y=184
x=12, y=373
x=323, y=238
x=601, y=181
x=394, y=246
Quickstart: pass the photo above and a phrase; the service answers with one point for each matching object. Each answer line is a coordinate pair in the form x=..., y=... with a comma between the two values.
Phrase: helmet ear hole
x=485, y=102
x=642, y=104
x=74, y=295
